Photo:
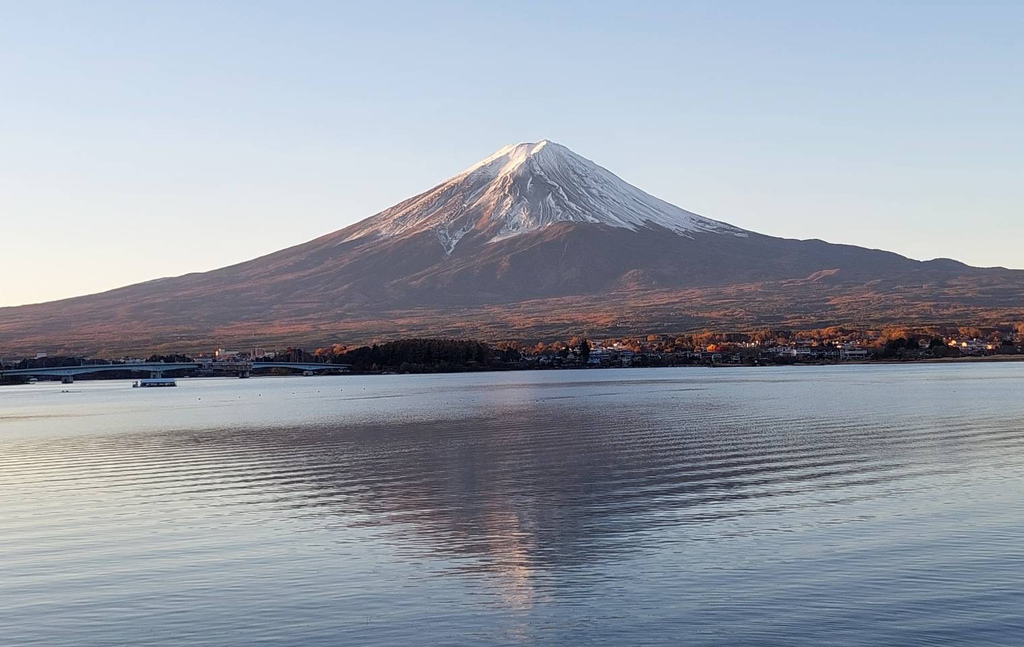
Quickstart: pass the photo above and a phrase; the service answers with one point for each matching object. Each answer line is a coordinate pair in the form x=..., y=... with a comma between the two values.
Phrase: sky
x=140, y=139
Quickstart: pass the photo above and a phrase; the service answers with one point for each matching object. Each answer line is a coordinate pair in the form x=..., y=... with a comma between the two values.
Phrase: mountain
x=534, y=241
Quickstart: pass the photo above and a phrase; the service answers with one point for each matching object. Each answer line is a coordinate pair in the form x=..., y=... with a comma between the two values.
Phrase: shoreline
x=987, y=359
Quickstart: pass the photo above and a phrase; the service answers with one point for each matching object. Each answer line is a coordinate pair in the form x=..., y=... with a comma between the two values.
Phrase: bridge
x=155, y=369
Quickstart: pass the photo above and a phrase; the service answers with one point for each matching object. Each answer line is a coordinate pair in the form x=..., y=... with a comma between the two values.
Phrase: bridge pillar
x=67, y=379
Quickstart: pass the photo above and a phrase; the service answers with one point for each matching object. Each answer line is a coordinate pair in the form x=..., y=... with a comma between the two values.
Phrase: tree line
x=412, y=355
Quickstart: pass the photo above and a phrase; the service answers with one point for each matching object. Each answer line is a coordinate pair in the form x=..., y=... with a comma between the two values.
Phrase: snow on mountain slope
x=525, y=187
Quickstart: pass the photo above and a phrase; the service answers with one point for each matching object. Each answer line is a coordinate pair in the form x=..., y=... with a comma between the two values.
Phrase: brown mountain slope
x=533, y=242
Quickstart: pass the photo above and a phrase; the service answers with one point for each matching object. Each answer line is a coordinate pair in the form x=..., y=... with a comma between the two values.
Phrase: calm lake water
x=855, y=505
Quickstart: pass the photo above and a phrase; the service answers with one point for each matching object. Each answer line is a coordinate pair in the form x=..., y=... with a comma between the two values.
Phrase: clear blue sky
x=146, y=139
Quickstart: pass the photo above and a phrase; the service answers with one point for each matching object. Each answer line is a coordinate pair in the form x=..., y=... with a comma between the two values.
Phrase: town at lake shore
x=761, y=348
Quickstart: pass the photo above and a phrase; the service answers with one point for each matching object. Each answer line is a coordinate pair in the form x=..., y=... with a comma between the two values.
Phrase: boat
x=154, y=381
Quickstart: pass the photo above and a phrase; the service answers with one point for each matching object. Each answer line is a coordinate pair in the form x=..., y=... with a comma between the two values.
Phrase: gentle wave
x=781, y=510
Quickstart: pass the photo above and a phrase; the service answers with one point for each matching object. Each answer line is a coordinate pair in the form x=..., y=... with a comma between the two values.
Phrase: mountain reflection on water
x=722, y=493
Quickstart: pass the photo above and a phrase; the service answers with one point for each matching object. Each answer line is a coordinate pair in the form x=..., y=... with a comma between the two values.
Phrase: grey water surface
x=849, y=505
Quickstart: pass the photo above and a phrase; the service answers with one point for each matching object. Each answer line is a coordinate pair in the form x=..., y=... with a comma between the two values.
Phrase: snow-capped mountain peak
x=528, y=186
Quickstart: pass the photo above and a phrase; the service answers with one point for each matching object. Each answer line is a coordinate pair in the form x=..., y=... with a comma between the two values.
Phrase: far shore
x=876, y=362
x=973, y=358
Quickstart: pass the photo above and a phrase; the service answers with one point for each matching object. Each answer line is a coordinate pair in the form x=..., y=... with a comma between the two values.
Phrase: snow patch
x=449, y=240
x=525, y=187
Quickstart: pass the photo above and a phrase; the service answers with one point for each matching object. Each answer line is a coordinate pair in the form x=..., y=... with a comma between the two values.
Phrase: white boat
x=154, y=381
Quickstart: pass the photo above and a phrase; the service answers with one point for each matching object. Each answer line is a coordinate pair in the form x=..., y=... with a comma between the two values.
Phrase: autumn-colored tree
x=684, y=342
x=894, y=332
x=969, y=331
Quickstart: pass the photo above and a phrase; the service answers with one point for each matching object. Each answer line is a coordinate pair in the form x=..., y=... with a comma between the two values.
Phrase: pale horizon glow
x=145, y=141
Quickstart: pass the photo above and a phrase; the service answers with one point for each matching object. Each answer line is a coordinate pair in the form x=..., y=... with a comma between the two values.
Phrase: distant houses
x=619, y=354
x=973, y=346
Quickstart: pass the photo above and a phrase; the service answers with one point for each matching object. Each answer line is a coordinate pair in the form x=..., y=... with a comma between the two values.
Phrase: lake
x=849, y=505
